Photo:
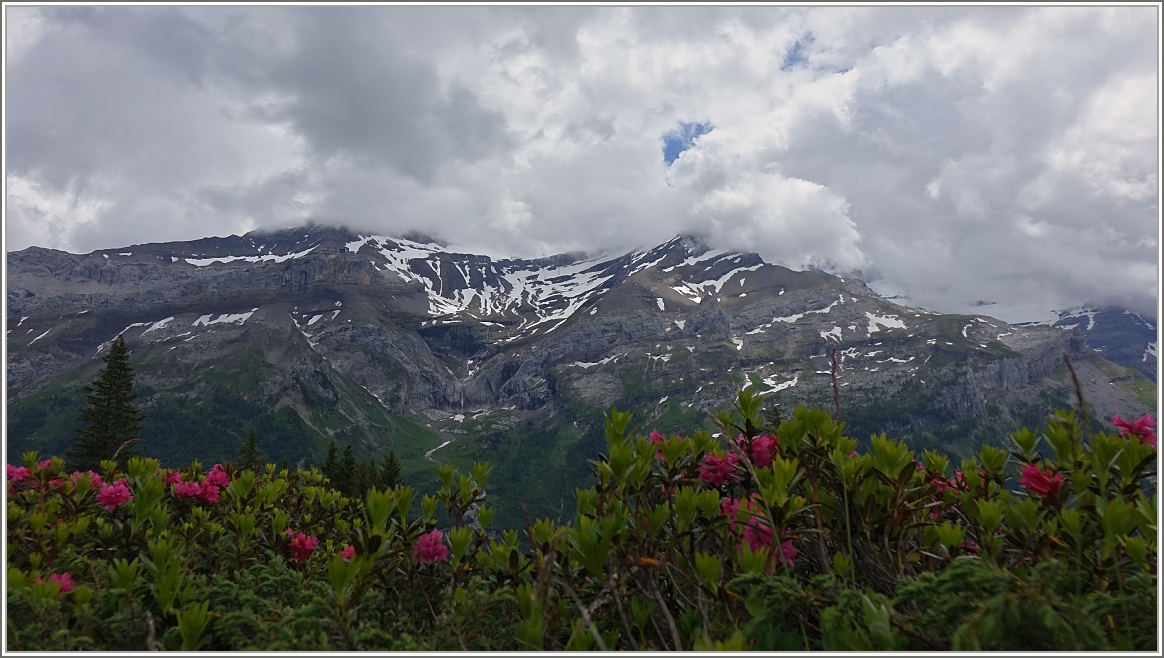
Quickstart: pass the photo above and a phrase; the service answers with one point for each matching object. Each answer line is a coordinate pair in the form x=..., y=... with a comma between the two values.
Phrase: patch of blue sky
x=678, y=141
x=797, y=55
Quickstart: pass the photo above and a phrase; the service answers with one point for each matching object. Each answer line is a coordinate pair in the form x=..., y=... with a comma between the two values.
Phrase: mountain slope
x=1122, y=336
x=320, y=333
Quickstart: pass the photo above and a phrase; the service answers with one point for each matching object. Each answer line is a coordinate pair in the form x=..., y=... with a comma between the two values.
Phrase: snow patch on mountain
x=158, y=325
x=203, y=262
x=39, y=337
x=240, y=318
x=1088, y=313
x=876, y=322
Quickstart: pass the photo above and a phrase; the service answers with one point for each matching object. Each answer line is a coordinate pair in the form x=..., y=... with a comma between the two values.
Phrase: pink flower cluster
x=206, y=491
x=656, y=439
x=218, y=477
x=717, y=470
x=430, y=547
x=1039, y=481
x=760, y=449
x=958, y=482
x=348, y=553
x=65, y=580
x=109, y=496
x=302, y=546
x=17, y=474
x=112, y=496
x=94, y=479
x=757, y=531
x=1144, y=428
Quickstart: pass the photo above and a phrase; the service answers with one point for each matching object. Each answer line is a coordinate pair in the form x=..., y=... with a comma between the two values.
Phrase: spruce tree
x=111, y=420
x=249, y=454
x=390, y=471
x=345, y=478
x=366, y=477
x=330, y=466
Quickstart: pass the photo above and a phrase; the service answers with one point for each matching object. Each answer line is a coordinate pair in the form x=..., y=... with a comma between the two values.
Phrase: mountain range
x=1122, y=336
x=322, y=333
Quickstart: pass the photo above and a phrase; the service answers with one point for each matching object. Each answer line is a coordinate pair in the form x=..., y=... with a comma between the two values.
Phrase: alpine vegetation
x=777, y=535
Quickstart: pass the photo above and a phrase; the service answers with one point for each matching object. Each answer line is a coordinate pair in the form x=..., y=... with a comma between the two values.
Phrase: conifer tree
x=390, y=471
x=249, y=454
x=330, y=466
x=111, y=420
x=345, y=478
x=365, y=478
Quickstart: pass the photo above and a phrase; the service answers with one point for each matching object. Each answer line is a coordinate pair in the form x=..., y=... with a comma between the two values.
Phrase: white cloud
x=961, y=153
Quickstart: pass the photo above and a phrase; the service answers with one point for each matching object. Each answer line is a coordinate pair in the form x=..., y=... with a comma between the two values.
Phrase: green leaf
x=192, y=622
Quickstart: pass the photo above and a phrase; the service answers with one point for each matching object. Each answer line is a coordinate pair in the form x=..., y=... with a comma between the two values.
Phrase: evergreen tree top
x=111, y=420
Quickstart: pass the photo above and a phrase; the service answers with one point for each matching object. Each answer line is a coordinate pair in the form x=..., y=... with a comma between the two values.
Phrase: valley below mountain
x=316, y=334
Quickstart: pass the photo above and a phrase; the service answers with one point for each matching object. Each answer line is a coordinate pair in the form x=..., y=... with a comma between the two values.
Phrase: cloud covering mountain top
x=959, y=153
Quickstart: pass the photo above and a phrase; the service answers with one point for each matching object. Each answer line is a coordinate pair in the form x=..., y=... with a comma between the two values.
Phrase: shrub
x=768, y=536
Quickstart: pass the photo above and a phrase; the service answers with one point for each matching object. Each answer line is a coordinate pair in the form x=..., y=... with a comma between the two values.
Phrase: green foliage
x=111, y=421
x=390, y=471
x=249, y=454
x=778, y=536
x=354, y=478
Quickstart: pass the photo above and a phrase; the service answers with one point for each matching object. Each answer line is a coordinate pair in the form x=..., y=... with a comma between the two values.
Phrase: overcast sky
x=1002, y=154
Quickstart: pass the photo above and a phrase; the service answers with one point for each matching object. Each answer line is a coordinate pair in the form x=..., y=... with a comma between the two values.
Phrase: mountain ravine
x=321, y=333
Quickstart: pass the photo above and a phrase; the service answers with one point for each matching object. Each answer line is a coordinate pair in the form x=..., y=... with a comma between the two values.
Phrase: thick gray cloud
x=958, y=154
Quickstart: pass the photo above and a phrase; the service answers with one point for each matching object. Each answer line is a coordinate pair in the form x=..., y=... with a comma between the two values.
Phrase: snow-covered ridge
x=543, y=295
x=1081, y=312
x=479, y=287
x=203, y=262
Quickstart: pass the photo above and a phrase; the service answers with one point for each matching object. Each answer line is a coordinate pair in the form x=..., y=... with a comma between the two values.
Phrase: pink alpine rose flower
x=188, y=490
x=729, y=508
x=786, y=552
x=112, y=496
x=430, y=547
x=94, y=479
x=717, y=470
x=17, y=473
x=348, y=553
x=1038, y=481
x=757, y=533
x=656, y=439
x=763, y=448
x=302, y=547
x=208, y=492
x=174, y=477
x=64, y=579
x=218, y=477
x=757, y=528
x=1145, y=428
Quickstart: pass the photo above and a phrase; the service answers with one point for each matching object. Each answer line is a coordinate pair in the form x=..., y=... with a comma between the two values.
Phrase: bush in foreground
x=784, y=538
